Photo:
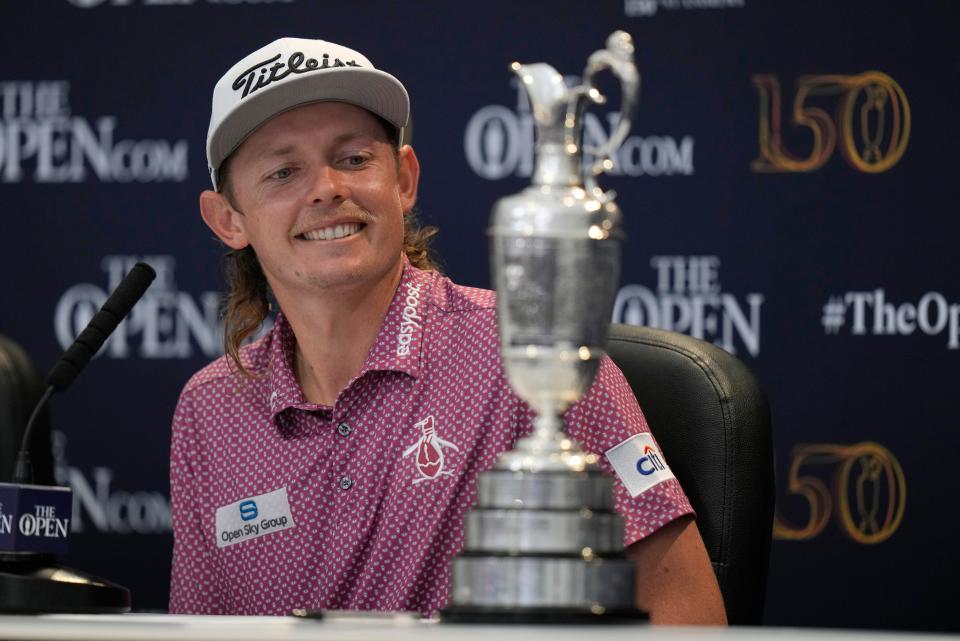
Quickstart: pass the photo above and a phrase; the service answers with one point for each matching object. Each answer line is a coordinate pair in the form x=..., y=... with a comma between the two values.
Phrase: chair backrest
x=20, y=388
x=712, y=421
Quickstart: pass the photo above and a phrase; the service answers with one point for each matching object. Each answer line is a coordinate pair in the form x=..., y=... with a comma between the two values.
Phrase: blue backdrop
x=786, y=192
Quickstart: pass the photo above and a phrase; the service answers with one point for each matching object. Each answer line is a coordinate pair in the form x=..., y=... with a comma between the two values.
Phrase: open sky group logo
x=253, y=517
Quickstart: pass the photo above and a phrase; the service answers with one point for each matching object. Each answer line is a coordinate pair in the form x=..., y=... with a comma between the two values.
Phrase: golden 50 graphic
x=867, y=493
x=871, y=123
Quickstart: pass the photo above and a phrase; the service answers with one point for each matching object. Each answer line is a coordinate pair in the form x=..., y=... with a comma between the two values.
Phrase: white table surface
x=366, y=627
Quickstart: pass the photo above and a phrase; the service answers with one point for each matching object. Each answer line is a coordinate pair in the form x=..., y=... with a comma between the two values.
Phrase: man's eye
x=355, y=161
x=282, y=174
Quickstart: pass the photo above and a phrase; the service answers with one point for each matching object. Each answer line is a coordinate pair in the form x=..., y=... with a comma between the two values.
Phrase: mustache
x=346, y=212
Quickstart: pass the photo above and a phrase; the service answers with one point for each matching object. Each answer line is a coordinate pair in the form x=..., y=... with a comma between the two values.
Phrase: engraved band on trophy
x=543, y=537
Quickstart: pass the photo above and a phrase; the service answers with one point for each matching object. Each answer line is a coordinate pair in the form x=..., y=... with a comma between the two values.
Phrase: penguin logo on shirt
x=429, y=452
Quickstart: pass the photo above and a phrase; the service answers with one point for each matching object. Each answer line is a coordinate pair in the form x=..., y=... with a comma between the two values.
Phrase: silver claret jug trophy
x=543, y=541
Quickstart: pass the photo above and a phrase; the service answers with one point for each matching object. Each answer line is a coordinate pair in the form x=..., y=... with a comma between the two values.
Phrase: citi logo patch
x=429, y=447
x=639, y=463
x=650, y=462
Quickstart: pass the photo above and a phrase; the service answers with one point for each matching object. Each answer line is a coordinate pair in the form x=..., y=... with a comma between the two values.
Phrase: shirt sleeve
x=608, y=415
x=193, y=581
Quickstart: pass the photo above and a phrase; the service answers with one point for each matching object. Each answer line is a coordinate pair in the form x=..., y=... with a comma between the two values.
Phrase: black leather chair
x=712, y=421
x=20, y=388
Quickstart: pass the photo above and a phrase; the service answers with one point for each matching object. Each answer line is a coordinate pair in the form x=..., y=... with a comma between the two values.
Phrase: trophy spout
x=558, y=159
x=547, y=91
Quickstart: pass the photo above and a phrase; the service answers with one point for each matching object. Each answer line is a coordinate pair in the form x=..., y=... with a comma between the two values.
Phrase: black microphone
x=35, y=519
x=98, y=330
x=90, y=340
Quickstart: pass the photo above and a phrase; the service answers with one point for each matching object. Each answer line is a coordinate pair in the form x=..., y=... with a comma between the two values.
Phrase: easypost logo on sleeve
x=639, y=463
x=253, y=517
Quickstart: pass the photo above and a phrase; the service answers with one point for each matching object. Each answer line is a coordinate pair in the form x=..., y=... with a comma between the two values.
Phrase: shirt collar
x=285, y=391
x=398, y=346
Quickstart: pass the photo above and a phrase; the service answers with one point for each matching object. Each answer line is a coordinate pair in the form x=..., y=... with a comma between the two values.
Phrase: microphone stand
x=32, y=582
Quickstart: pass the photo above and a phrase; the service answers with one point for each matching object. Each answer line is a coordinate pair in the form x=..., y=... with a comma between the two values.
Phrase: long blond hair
x=248, y=299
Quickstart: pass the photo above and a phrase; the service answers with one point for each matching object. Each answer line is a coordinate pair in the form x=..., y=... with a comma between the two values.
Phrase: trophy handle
x=618, y=58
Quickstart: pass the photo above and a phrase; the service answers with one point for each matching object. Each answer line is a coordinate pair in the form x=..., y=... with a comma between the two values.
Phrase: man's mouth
x=333, y=232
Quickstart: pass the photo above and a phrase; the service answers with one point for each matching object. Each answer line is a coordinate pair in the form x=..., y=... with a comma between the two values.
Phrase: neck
x=335, y=332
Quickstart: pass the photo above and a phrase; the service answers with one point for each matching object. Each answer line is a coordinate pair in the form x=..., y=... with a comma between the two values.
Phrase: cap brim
x=371, y=89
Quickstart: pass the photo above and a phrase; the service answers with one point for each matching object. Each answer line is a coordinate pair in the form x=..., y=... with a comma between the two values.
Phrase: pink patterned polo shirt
x=279, y=503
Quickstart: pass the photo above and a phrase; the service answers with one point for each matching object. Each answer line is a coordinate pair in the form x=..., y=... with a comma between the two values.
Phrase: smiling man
x=330, y=463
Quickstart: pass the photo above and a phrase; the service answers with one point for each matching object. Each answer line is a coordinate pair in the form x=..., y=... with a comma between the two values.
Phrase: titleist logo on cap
x=263, y=73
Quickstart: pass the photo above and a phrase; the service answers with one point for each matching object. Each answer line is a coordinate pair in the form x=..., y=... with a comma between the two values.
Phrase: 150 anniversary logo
x=870, y=125
x=865, y=490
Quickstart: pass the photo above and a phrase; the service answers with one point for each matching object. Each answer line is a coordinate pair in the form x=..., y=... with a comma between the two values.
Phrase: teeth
x=334, y=232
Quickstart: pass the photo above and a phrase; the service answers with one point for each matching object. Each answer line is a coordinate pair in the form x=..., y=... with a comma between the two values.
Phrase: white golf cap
x=291, y=72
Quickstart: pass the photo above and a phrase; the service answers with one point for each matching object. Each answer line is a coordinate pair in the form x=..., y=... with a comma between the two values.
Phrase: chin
x=346, y=278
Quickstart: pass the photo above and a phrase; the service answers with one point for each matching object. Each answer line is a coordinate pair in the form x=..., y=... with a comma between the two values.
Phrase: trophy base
x=540, y=615
x=542, y=582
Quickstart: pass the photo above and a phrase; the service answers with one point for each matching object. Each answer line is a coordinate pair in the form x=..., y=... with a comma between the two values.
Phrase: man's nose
x=328, y=186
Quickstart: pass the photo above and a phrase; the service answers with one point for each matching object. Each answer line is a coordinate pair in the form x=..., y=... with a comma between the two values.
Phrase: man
x=297, y=475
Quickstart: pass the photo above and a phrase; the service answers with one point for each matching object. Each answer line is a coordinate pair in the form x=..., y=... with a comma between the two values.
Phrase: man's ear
x=225, y=221
x=408, y=178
